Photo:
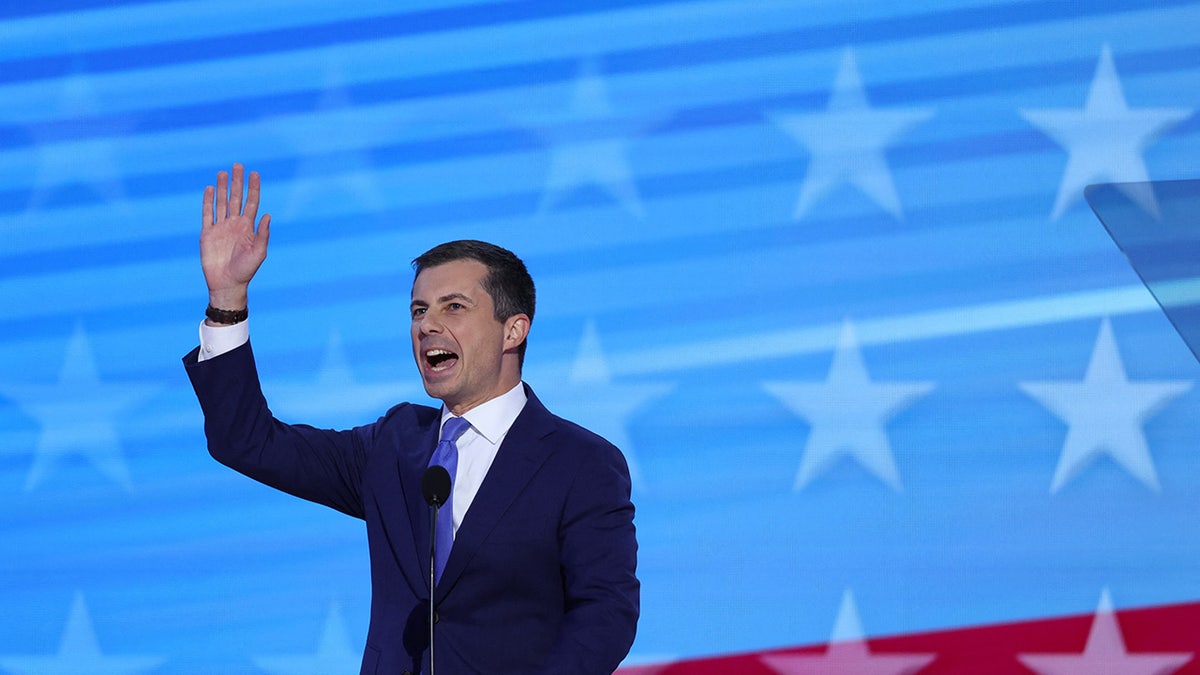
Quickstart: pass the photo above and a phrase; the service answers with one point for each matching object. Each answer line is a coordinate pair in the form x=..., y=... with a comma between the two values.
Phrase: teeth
x=440, y=359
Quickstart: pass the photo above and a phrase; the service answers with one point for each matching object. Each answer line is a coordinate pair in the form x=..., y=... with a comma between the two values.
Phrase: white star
x=590, y=398
x=334, y=654
x=1104, y=653
x=79, y=653
x=848, y=413
x=1105, y=139
x=1105, y=413
x=333, y=163
x=334, y=400
x=75, y=149
x=591, y=147
x=847, y=142
x=78, y=414
x=847, y=653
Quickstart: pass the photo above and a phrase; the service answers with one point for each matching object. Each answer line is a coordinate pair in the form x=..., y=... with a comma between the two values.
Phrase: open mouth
x=440, y=359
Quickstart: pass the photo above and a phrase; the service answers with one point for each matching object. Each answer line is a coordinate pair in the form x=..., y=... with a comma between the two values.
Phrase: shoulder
x=580, y=436
x=412, y=413
x=571, y=440
x=405, y=419
x=546, y=424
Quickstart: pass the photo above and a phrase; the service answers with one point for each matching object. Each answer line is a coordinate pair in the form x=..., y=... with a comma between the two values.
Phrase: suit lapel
x=411, y=465
x=518, y=459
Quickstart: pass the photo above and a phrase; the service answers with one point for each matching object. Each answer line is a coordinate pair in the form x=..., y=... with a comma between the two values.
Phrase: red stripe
x=989, y=650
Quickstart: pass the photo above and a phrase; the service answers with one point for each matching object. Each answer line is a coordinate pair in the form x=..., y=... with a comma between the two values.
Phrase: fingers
x=222, y=197
x=252, y=193
x=264, y=233
x=206, y=216
x=228, y=196
x=235, y=191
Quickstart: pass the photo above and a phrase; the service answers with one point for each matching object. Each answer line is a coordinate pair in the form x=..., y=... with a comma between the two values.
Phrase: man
x=541, y=574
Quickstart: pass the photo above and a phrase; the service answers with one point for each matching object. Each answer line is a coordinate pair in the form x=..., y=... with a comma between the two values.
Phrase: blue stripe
x=911, y=91
x=806, y=40
x=41, y=8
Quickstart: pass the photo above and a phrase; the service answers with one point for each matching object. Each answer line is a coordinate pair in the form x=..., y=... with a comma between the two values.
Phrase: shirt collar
x=493, y=418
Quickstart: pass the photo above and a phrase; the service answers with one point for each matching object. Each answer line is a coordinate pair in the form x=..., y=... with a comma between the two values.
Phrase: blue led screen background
x=823, y=270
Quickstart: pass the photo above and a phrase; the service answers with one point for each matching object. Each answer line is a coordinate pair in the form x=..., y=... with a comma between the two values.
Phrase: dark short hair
x=507, y=280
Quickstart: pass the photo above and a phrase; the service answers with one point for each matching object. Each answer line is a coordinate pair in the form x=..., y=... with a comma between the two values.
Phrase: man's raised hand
x=231, y=249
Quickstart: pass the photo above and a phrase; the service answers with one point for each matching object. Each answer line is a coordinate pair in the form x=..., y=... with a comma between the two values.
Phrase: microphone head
x=435, y=485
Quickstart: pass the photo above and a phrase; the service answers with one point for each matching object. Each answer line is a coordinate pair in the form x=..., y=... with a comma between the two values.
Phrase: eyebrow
x=455, y=296
x=444, y=299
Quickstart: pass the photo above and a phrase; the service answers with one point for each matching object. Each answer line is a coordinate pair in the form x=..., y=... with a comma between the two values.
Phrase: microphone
x=435, y=486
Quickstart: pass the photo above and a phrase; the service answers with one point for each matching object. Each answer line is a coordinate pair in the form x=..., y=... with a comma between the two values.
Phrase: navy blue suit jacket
x=541, y=578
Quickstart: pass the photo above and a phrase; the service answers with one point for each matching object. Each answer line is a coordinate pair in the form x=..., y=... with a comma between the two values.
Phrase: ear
x=516, y=329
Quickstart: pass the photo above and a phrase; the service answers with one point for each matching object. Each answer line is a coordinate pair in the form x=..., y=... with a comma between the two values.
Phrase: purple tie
x=446, y=455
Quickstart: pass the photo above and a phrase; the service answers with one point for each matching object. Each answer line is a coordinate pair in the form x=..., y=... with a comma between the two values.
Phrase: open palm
x=231, y=248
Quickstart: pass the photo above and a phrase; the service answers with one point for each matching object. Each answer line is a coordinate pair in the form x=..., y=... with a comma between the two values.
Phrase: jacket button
x=436, y=617
x=406, y=671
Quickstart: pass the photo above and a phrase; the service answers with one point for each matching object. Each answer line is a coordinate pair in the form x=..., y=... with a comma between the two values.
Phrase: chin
x=438, y=390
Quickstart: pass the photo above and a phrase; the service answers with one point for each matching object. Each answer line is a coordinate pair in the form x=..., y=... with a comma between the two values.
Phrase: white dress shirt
x=477, y=447
x=216, y=340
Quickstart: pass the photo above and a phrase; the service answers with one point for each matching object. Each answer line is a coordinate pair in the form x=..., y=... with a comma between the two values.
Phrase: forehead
x=462, y=277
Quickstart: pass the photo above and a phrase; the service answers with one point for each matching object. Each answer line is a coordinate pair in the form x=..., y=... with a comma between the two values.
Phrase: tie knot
x=453, y=428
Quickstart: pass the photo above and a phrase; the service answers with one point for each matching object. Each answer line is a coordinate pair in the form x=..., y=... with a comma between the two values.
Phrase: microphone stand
x=432, y=573
x=436, y=488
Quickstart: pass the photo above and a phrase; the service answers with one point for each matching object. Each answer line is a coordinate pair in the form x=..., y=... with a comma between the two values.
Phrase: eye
x=456, y=306
x=417, y=311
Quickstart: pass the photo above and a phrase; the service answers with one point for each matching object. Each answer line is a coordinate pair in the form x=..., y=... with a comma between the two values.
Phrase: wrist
x=219, y=316
x=226, y=306
x=232, y=299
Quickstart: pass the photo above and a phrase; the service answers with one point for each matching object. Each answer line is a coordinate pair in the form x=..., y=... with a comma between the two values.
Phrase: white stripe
x=901, y=328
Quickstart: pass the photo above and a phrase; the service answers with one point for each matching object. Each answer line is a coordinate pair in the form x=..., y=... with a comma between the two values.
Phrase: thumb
x=264, y=232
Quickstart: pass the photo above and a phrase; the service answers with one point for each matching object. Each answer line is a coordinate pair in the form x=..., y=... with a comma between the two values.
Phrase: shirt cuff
x=217, y=340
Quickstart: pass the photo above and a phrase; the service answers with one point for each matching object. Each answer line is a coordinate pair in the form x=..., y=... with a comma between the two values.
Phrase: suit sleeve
x=318, y=465
x=599, y=565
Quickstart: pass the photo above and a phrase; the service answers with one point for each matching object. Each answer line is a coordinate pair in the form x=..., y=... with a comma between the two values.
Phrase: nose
x=428, y=325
